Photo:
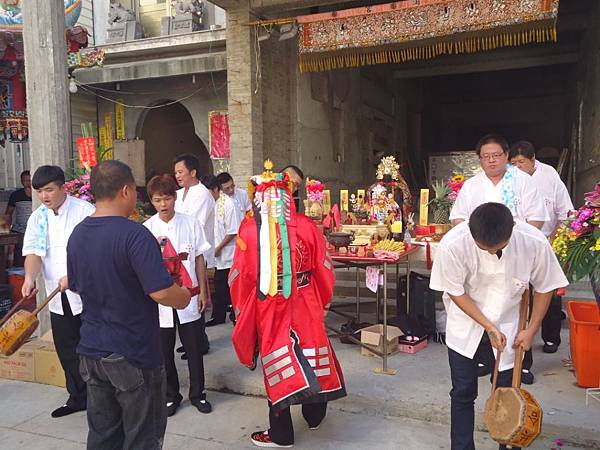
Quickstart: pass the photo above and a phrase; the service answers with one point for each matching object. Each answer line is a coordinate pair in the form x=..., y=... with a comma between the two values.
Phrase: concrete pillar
x=47, y=84
x=48, y=106
x=244, y=96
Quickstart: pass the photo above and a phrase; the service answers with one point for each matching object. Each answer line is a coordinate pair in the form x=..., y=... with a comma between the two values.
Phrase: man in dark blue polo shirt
x=116, y=266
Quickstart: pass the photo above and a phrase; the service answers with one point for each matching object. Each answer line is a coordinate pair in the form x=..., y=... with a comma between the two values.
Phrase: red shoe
x=262, y=439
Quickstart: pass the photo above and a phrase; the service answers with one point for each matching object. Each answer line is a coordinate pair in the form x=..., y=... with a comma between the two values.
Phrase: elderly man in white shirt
x=483, y=267
x=228, y=218
x=558, y=204
x=499, y=182
x=45, y=250
x=194, y=199
x=188, y=240
x=239, y=196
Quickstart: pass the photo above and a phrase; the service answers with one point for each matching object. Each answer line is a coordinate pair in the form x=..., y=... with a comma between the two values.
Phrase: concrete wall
x=211, y=94
x=344, y=118
x=278, y=85
x=587, y=134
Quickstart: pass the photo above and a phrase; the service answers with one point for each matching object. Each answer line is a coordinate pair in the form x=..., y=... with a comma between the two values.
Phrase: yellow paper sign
x=102, y=137
x=120, y=120
x=344, y=200
x=360, y=194
x=326, y=201
x=424, y=207
x=108, y=124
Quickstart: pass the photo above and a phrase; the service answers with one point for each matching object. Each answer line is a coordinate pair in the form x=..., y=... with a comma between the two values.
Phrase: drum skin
x=16, y=331
x=513, y=417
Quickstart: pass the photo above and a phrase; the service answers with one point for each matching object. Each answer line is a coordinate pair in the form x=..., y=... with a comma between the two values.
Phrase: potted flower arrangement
x=79, y=186
x=455, y=183
x=577, y=242
x=315, y=191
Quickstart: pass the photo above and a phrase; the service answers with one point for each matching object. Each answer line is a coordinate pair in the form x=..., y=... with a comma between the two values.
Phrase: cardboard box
x=21, y=365
x=47, y=366
x=412, y=347
x=372, y=337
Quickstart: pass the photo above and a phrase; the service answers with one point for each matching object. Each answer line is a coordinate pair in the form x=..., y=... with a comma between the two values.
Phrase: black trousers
x=281, y=428
x=222, y=299
x=463, y=372
x=550, y=327
x=65, y=330
x=126, y=404
x=191, y=337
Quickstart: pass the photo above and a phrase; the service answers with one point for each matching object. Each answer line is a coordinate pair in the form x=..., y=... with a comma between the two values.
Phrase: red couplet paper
x=86, y=149
x=220, y=147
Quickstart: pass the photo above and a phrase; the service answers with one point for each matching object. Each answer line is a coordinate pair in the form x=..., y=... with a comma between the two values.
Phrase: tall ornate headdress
x=388, y=166
x=273, y=206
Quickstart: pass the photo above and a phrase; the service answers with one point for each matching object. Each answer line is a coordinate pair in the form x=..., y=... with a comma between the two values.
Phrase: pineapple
x=441, y=203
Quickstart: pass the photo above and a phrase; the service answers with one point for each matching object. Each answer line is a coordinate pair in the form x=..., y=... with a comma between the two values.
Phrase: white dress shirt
x=494, y=284
x=228, y=218
x=54, y=262
x=200, y=204
x=242, y=201
x=187, y=236
x=555, y=194
x=479, y=189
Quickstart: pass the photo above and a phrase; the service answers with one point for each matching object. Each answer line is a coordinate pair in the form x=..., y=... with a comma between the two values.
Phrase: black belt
x=302, y=280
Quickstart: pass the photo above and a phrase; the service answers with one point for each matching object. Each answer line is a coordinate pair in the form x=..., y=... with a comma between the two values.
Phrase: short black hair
x=492, y=138
x=491, y=224
x=523, y=148
x=25, y=173
x=210, y=182
x=47, y=174
x=295, y=169
x=190, y=161
x=224, y=177
x=108, y=178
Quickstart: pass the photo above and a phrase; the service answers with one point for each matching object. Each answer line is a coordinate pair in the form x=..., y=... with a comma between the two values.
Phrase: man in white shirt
x=228, y=218
x=239, y=196
x=558, y=204
x=499, y=182
x=194, y=199
x=483, y=267
x=45, y=250
x=187, y=238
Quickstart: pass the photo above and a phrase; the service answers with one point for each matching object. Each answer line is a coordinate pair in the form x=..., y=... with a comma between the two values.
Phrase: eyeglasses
x=491, y=156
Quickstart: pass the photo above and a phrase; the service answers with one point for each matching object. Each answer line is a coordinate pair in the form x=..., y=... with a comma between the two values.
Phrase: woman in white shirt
x=558, y=204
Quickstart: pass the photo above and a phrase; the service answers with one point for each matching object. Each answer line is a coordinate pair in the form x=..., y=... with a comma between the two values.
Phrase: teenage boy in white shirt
x=238, y=195
x=45, y=250
x=228, y=218
x=483, y=267
x=188, y=240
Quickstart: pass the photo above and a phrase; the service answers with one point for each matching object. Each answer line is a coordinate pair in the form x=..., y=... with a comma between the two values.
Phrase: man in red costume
x=281, y=285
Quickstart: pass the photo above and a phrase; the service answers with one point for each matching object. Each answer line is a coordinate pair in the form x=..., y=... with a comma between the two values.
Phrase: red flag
x=172, y=262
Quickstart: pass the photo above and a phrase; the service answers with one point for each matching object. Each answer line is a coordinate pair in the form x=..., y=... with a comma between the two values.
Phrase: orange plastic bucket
x=584, y=318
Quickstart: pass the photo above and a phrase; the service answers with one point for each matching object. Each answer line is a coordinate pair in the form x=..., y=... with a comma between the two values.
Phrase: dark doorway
x=168, y=132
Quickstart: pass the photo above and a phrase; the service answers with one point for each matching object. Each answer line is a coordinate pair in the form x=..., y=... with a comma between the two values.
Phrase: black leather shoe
x=184, y=356
x=180, y=349
x=550, y=347
x=203, y=406
x=172, y=408
x=213, y=322
x=526, y=377
x=65, y=410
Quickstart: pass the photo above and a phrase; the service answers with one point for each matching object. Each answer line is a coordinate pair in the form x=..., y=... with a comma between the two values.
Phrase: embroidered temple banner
x=420, y=29
x=218, y=125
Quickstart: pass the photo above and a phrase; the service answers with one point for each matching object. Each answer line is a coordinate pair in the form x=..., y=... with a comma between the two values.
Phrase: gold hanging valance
x=420, y=29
